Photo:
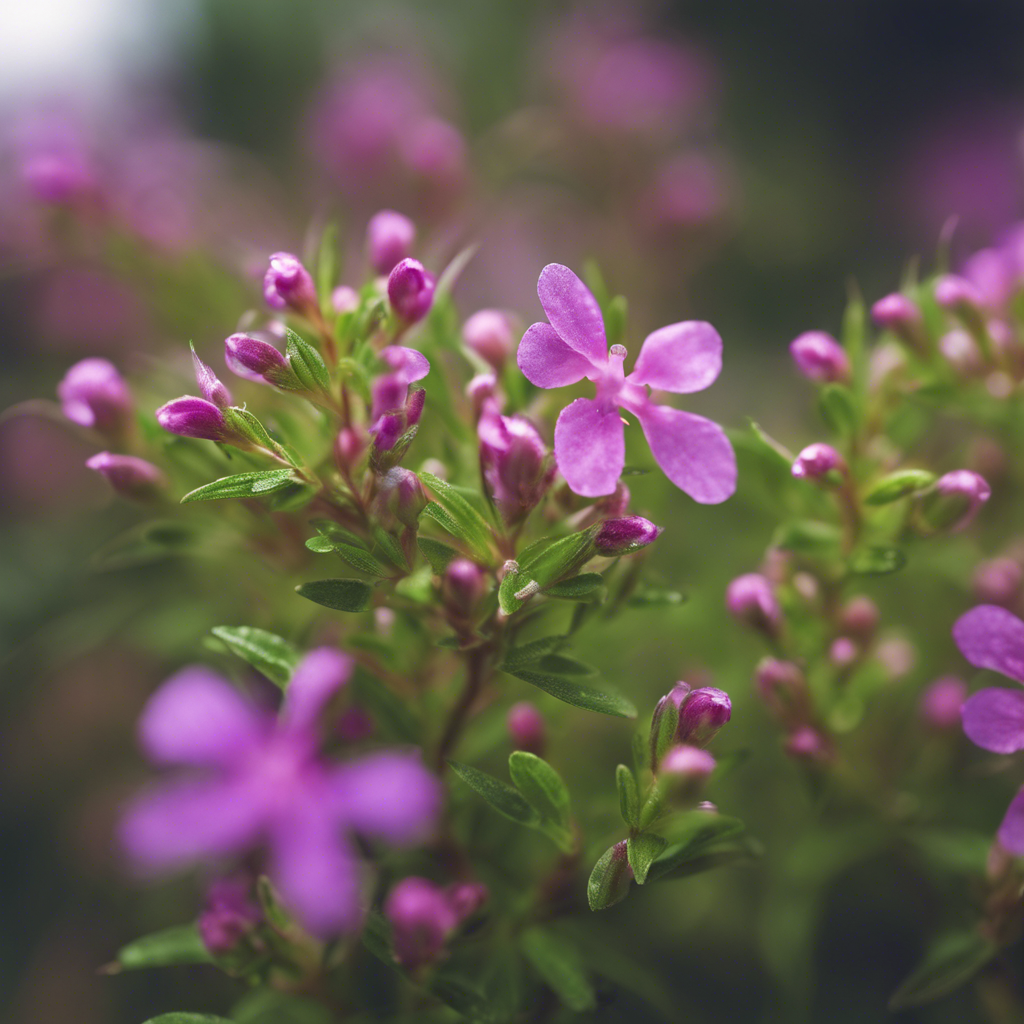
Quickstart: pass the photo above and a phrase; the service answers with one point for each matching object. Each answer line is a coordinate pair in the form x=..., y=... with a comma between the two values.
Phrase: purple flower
x=410, y=290
x=128, y=475
x=93, y=394
x=423, y=916
x=526, y=727
x=997, y=581
x=254, y=780
x=817, y=461
x=400, y=498
x=942, y=702
x=397, y=407
x=195, y=417
x=954, y=500
x=622, y=536
x=687, y=763
x=590, y=448
x=818, y=356
x=992, y=638
x=751, y=599
x=255, y=359
x=344, y=299
x=462, y=588
x=957, y=294
x=228, y=916
x=702, y=714
x=515, y=463
x=389, y=238
x=903, y=317
x=288, y=285
x=488, y=333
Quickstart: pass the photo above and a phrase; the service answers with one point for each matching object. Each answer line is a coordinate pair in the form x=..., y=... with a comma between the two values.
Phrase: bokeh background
x=736, y=162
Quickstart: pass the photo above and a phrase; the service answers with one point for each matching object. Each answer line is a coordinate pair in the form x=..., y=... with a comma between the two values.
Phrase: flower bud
x=807, y=744
x=702, y=714
x=954, y=500
x=462, y=588
x=389, y=238
x=288, y=285
x=228, y=916
x=254, y=359
x=480, y=390
x=488, y=333
x=526, y=727
x=843, y=652
x=349, y=447
x=209, y=384
x=665, y=722
x=898, y=314
x=859, y=616
x=195, y=417
x=751, y=599
x=961, y=351
x=820, y=357
x=410, y=290
x=625, y=535
x=515, y=464
x=897, y=656
x=466, y=898
x=818, y=461
x=421, y=917
x=687, y=769
x=93, y=394
x=400, y=497
x=998, y=581
x=344, y=299
x=59, y=177
x=941, y=703
x=783, y=688
x=957, y=295
x=129, y=476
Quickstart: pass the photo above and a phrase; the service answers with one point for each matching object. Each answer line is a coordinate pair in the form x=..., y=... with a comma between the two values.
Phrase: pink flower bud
x=466, y=898
x=349, y=447
x=194, y=417
x=93, y=394
x=783, y=688
x=129, y=476
x=480, y=389
x=389, y=238
x=687, y=764
x=526, y=727
x=344, y=299
x=421, y=917
x=288, y=285
x=843, y=652
x=896, y=313
x=702, y=714
x=859, y=616
x=622, y=536
x=807, y=744
x=751, y=600
x=488, y=333
x=820, y=357
x=957, y=294
x=515, y=463
x=228, y=916
x=463, y=587
x=998, y=581
x=941, y=702
x=209, y=384
x=410, y=290
x=961, y=351
x=254, y=359
x=400, y=498
x=954, y=500
x=816, y=461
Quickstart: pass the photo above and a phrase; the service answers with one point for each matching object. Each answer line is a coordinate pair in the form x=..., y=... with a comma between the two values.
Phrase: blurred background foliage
x=842, y=135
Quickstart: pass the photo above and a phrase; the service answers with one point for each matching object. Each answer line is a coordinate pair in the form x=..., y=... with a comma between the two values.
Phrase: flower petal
x=693, y=452
x=991, y=637
x=388, y=795
x=547, y=361
x=316, y=871
x=681, y=357
x=994, y=719
x=590, y=447
x=573, y=312
x=1011, y=831
x=408, y=363
x=198, y=718
x=320, y=674
x=177, y=823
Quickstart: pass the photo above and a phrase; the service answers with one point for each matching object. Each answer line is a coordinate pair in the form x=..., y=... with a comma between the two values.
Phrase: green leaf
x=695, y=838
x=808, y=537
x=577, y=694
x=327, y=263
x=511, y=584
x=609, y=881
x=629, y=795
x=651, y=598
x=462, y=995
x=267, y=652
x=362, y=560
x=900, y=484
x=615, y=319
x=188, y=1018
x=546, y=793
x=560, y=665
x=838, y=409
x=340, y=594
x=558, y=962
x=951, y=962
x=254, y=484
x=266, y=1006
x=439, y=555
x=877, y=561
x=391, y=548
x=320, y=545
x=439, y=514
x=643, y=850
x=528, y=654
x=245, y=423
x=472, y=526
x=331, y=530
x=501, y=796
x=773, y=450
x=577, y=588
x=181, y=944
x=561, y=559
x=307, y=364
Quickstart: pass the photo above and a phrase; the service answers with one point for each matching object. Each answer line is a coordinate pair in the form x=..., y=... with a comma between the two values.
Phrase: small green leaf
x=391, y=548
x=331, y=530
x=558, y=962
x=560, y=665
x=838, y=409
x=461, y=994
x=362, y=560
x=629, y=795
x=643, y=850
x=268, y=653
x=808, y=537
x=511, y=584
x=181, y=944
x=243, y=485
x=563, y=558
x=577, y=588
x=266, y=1006
x=320, y=545
x=651, y=598
x=500, y=795
x=245, y=423
x=609, y=881
x=472, y=526
x=577, y=694
x=188, y=1018
x=900, y=484
x=307, y=364
x=527, y=654
x=951, y=962
x=694, y=837
x=773, y=450
x=439, y=514
x=877, y=561
x=546, y=793
x=439, y=555
x=340, y=594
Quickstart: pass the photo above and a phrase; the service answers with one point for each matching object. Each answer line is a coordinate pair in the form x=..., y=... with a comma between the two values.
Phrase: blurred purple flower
x=693, y=452
x=818, y=356
x=410, y=290
x=255, y=780
x=515, y=463
x=389, y=238
x=128, y=475
x=942, y=702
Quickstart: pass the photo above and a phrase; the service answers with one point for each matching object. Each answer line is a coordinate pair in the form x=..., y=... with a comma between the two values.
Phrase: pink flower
x=589, y=439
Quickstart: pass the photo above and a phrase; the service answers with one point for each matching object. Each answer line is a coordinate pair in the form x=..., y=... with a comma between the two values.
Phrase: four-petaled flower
x=589, y=438
x=257, y=780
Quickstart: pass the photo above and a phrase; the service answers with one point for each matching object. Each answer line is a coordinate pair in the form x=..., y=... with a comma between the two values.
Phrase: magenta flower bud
x=702, y=715
x=288, y=285
x=463, y=587
x=515, y=463
x=488, y=333
x=93, y=394
x=436, y=151
x=998, y=581
x=817, y=461
x=957, y=294
x=622, y=536
x=751, y=600
x=400, y=497
x=859, y=616
x=526, y=727
x=129, y=476
x=688, y=764
x=386, y=431
x=818, y=356
x=228, y=916
x=466, y=898
x=410, y=290
x=414, y=404
x=665, y=722
x=941, y=703
x=389, y=238
x=344, y=299
x=349, y=447
x=783, y=688
x=843, y=652
x=897, y=313
x=209, y=384
x=954, y=500
x=480, y=390
x=254, y=359
x=194, y=417
x=807, y=744
x=421, y=917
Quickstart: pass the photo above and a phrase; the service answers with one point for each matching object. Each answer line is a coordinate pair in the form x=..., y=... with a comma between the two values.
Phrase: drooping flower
x=255, y=780
x=590, y=447
x=991, y=637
